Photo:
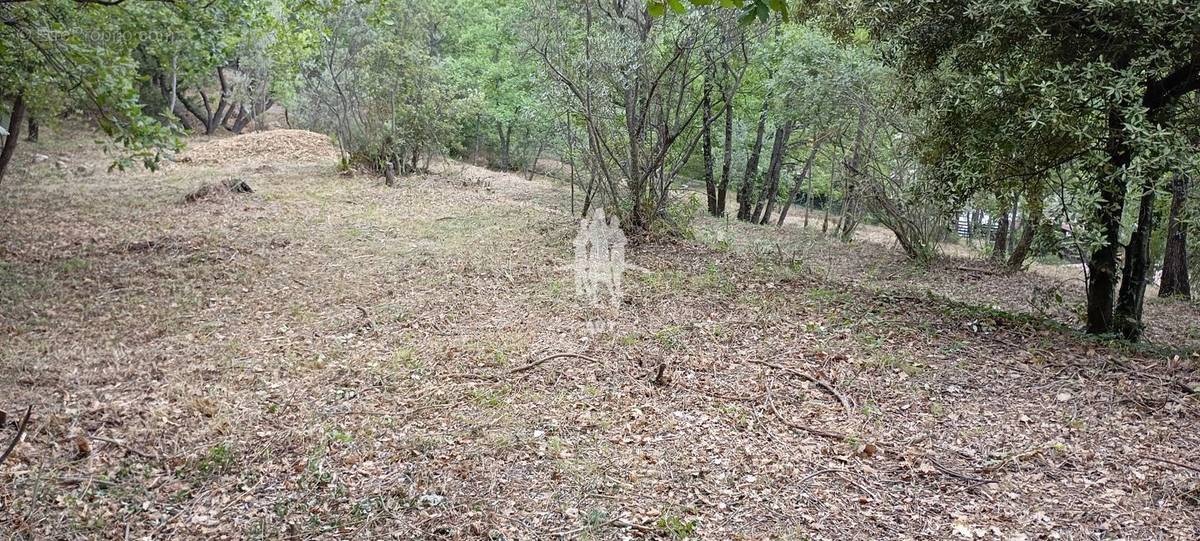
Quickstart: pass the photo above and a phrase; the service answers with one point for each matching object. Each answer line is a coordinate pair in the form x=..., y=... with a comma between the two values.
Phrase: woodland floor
x=330, y=358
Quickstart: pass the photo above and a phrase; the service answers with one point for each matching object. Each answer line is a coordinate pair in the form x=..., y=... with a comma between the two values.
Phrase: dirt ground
x=329, y=358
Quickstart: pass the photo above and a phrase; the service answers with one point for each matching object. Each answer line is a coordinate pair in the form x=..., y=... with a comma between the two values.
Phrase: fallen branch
x=841, y=474
x=828, y=387
x=1173, y=463
x=20, y=432
x=549, y=358
x=799, y=427
x=126, y=447
x=957, y=475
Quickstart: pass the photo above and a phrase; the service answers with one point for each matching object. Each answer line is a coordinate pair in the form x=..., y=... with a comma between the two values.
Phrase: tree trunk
x=798, y=184
x=976, y=223
x=727, y=157
x=1135, y=273
x=1000, y=242
x=808, y=199
x=246, y=117
x=14, y=132
x=829, y=197
x=1102, y=265
x=710, y=183
x=745, y=194
x=1033, y=220
x=531, y=169
x=389, y=175
x=766, y=201
x=32, y=136
x=170, y=93
x=853, y=180
x=503, y=134
x=1175, y=262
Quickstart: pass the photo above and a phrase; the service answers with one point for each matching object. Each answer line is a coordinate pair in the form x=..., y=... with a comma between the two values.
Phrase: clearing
x=329, y=358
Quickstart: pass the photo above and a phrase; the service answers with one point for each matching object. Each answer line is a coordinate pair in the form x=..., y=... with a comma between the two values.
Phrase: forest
x=599, y=269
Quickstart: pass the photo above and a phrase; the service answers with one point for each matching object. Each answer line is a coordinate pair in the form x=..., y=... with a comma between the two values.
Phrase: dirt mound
x=285, y=146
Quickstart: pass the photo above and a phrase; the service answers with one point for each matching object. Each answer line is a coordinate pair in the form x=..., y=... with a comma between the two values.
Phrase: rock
x=83, y=171
x=59, y=164
x=39, y=158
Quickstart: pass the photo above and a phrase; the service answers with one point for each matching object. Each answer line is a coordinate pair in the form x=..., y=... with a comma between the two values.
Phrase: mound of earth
x=282, y=146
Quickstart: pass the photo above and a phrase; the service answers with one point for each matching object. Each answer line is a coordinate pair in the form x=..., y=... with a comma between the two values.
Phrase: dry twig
x=1172, y=462
x=20, y=432
x=796, y=426
x=828, y=387
x=957, y=475
x=126, y=447
x=549, y=358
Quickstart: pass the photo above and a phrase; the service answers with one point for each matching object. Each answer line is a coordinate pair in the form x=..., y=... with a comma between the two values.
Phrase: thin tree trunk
x=829, y=197
x=502, y=164
x=1136, y=272
x=852, y=180
x=389, y=174
x=589, y=194
x=745, y=194
x=14, y=133
x=727, y=157
x=531, y=170
x=1000, y=242
x=1175, y=280
x=976, y=223
x=808, y=199
x=1033, y=219
x=174, y=82
x=799, y=183
x=571, y=158
x=710, y=183
x=770, y=190
x=32, y=136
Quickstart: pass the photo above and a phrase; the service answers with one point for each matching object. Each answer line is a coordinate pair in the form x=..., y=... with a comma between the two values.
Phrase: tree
x=377, y=83
x=16, y=116
x=46, y=60
x=1175, y=260
x=1038, y=85
x=1035, y=207
x=632, y=79
x=483, y=56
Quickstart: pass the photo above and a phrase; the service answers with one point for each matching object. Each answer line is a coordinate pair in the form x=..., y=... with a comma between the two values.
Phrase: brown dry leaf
x=83, y=446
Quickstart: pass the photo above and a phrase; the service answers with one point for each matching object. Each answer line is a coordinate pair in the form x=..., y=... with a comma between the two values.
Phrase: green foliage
x=63, y=54
x=752, y=10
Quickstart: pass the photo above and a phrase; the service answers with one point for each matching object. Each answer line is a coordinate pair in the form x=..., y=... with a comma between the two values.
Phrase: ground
x=330, y=358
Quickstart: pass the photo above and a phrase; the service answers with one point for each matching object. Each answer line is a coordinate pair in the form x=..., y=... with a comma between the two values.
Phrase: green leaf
x=747, y=16
x=728, y=4
x=701, y=2
x=676, y=6
x=656, y=10
x=781, y=7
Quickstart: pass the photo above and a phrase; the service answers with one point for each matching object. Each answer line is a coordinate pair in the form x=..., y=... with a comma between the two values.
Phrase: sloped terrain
x=329, y=358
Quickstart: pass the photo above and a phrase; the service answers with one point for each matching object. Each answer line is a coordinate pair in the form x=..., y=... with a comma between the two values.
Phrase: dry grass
x=328, y=358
